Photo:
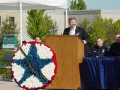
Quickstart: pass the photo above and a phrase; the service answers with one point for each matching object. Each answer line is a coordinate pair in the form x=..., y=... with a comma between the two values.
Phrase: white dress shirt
x=72, y=31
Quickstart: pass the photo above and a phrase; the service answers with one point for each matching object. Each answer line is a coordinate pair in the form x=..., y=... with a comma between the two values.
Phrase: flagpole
x=20, y=22
x=66, y=15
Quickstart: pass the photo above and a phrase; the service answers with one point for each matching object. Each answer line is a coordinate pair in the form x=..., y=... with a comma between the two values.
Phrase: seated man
x=115, y=47
x=99, y=50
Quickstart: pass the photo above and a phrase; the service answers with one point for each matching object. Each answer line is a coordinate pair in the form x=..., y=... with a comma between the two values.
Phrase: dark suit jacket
x=78, y=31
x=115, y=49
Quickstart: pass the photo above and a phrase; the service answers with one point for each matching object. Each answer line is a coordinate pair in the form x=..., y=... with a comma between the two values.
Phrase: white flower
x=32, y=82
x=18, y=71
x=43, y=52
x=48, y=70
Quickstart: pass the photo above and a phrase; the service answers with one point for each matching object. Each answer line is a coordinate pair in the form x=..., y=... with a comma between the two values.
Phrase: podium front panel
x=69, y=51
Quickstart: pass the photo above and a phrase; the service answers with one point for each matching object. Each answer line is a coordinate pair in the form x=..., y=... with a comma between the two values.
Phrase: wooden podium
x=69, y=50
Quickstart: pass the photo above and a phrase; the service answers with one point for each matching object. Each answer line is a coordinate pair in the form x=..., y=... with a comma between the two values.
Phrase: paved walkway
x=7, y=85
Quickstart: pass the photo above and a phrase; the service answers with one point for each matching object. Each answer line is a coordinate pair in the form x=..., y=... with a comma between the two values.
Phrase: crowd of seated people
x=100, y=50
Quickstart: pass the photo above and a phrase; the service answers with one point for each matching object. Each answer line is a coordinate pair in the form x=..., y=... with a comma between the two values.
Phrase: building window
x=0, y=20
x=13, y=19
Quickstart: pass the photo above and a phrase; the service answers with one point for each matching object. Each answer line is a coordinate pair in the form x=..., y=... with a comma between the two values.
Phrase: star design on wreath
x=37, y=61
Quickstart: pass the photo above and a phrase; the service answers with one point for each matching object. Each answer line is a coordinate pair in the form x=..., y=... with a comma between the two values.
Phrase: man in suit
x=115, y=47
x=75, y=30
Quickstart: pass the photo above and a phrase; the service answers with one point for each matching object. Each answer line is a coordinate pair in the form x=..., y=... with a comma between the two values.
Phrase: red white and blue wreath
x=34, y=65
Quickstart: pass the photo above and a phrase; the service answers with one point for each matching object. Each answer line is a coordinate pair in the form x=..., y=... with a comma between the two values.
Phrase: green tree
x=117, y=26
x=97, y=30
x=8, y=27
x=39, y=24
x=99, y=27
x=78, y=6
x=110, y=31
x=54, y=29
x=85, y=23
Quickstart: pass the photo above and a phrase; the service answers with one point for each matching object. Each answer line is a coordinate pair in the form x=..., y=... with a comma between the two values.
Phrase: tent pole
x=20, y=22
x=66, y=15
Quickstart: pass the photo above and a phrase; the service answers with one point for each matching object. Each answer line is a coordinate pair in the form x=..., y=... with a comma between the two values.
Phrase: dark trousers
x=87, y=50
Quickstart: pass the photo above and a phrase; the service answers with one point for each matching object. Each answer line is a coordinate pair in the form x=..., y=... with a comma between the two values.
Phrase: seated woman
x=99, y=50
x=37, y=39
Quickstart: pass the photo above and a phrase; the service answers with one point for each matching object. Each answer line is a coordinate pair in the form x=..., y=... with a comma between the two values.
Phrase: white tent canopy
x=32, y=4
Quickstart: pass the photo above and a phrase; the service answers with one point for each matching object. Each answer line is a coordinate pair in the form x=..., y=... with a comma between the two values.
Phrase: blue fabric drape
x=100, y=73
